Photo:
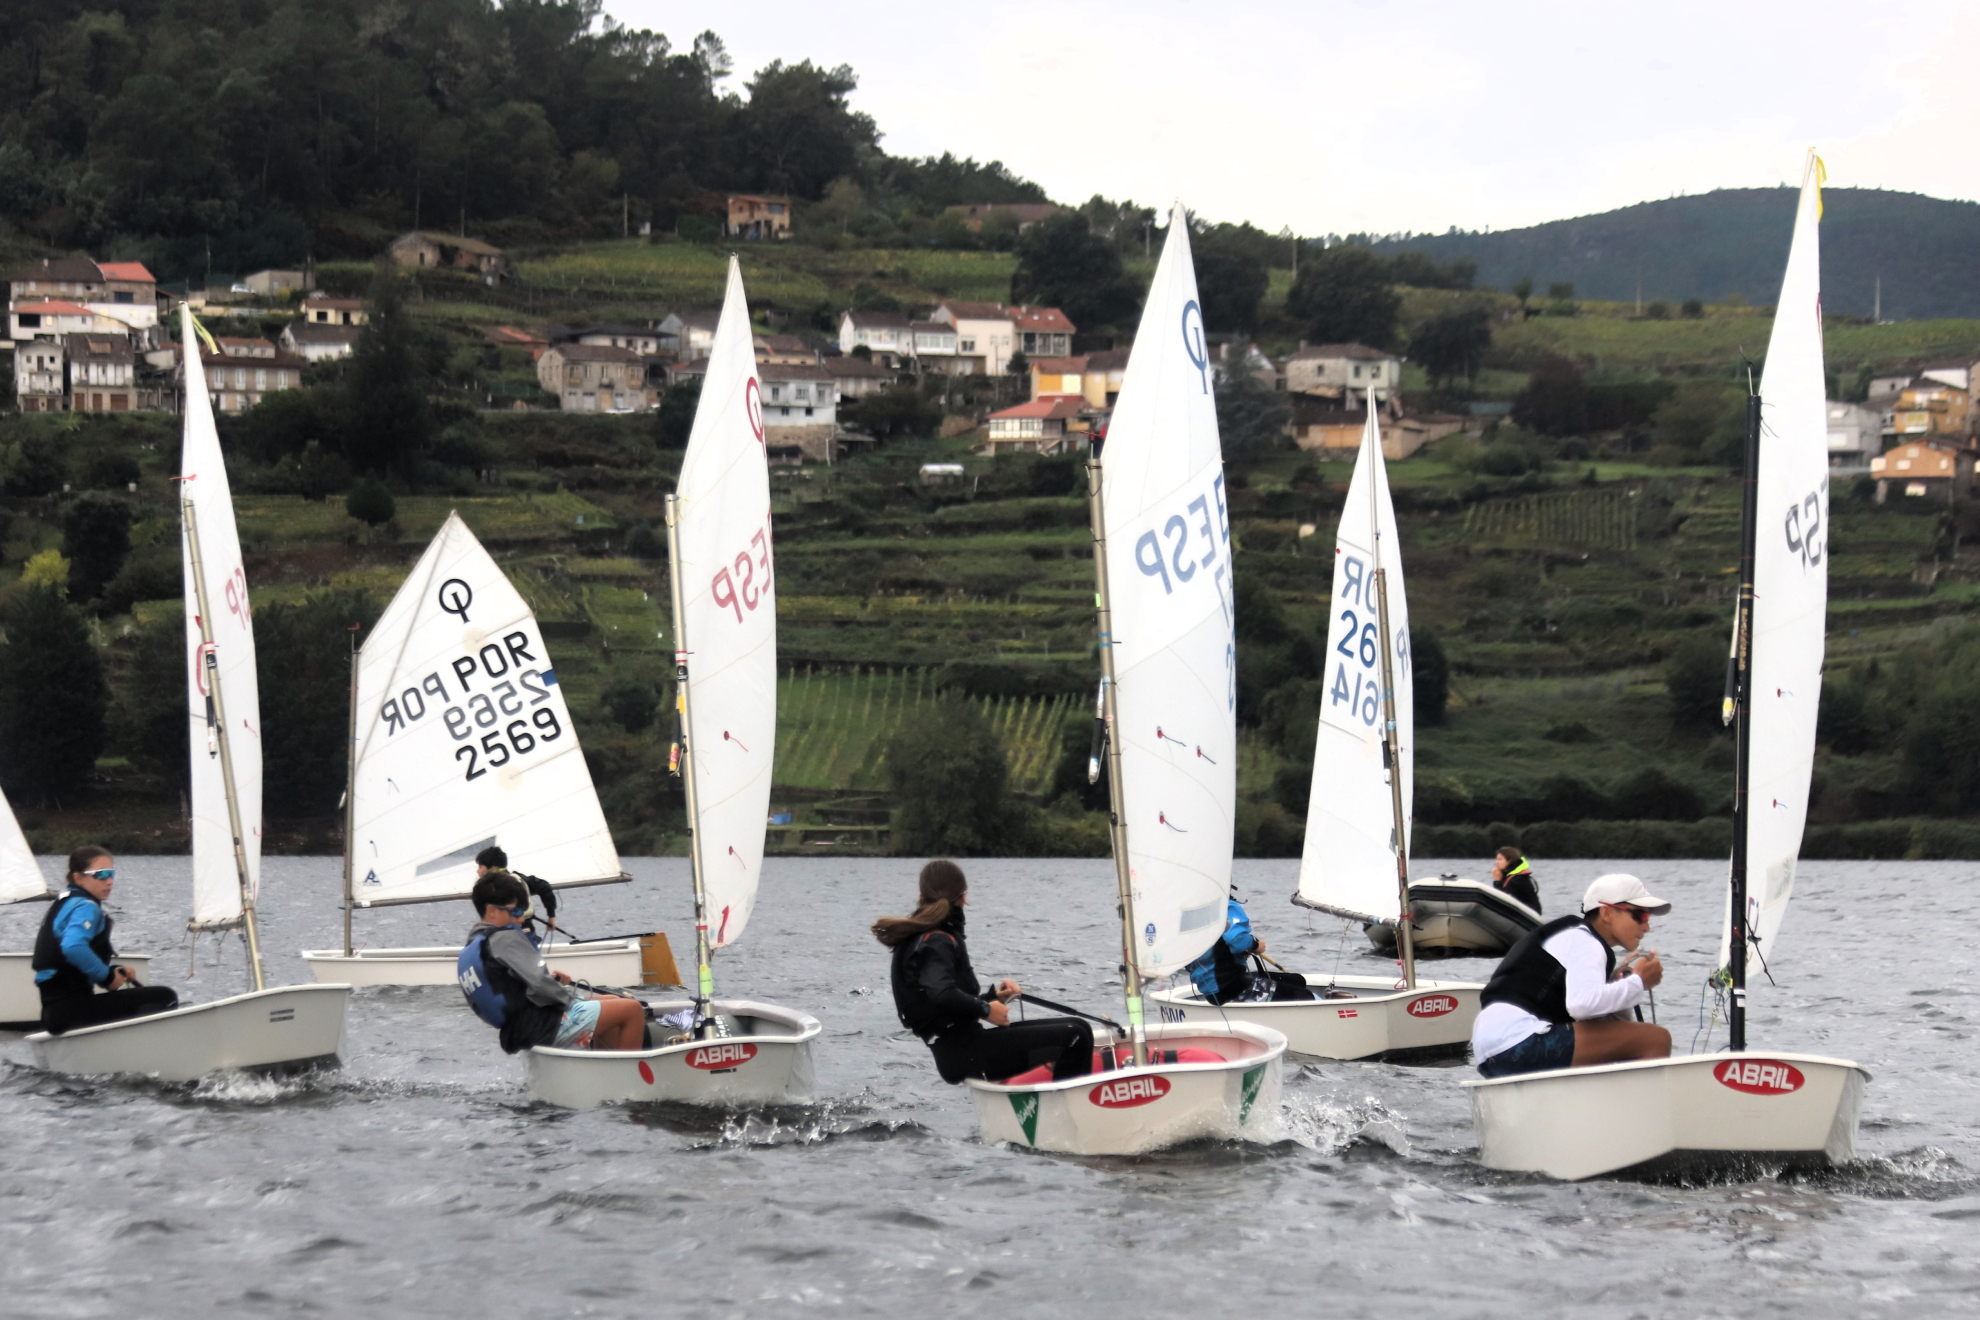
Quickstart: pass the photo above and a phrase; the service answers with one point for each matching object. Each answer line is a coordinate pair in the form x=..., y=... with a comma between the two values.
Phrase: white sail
x=203, y=483
x=1790, y=579
x=1349, y=863
x=730, y=623
x=20, y=874
x=464, y=740
x=1175, y=659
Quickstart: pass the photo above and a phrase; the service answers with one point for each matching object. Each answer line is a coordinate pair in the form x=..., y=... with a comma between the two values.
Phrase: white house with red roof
x=52, y=318
x=1042, y=426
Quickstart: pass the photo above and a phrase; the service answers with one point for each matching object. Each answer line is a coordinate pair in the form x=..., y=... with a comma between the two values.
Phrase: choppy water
x=420, y=1180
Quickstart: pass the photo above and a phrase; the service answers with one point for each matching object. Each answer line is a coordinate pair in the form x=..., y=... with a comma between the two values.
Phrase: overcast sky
x=1350, y=115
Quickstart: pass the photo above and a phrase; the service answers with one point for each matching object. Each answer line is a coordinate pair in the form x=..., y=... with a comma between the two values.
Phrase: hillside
x=1733, y=241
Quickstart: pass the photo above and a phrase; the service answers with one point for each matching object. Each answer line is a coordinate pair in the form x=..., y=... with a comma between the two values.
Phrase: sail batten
x=729, y=606
x=1165, y=511
x=203, y=484
x=465, y=739
x=1790, y=579
x=1348, y=866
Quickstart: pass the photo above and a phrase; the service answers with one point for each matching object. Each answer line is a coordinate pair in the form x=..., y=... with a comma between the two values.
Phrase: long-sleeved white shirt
x=1590, y=994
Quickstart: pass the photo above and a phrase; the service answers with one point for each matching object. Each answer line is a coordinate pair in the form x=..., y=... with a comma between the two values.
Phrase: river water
x=419, y=1180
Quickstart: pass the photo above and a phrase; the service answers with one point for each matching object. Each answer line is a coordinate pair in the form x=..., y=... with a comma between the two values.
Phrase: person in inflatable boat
x=509, y=987
x=938, y=998
x=1558, y=999
x=1512, y=873
x=73, y=955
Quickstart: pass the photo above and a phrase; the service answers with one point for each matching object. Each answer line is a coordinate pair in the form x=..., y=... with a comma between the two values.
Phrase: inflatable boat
x=1459, y=919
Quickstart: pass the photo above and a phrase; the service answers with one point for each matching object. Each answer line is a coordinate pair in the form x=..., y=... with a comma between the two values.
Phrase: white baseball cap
x=1620, y=888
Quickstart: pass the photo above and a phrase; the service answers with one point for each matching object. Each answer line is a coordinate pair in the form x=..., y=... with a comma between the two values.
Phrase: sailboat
x=720, y=1051
x=1356, y=860
x=1168, y=703
x=1740, y=1106
x=279, y=1027
x=460, y=740
x=22, y=881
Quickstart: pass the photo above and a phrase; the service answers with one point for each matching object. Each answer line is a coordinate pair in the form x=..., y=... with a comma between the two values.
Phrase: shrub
x=370, y=503
x=1695, y=678
x=1692, y=309
x=96, y=537
x=947, y=772
x=632, y=703
x=1652, y=794
x=53, y=699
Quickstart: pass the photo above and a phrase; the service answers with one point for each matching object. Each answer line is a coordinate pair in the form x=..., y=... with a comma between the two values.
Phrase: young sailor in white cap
x=1556, y=1000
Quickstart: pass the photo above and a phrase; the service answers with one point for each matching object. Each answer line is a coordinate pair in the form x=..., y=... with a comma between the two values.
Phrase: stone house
x=594, y=377
x=427, y=250
x=1336, y=371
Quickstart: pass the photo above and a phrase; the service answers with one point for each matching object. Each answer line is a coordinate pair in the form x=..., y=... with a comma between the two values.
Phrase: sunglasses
x=1639, y=915
x=518, y=912
x=108, y=873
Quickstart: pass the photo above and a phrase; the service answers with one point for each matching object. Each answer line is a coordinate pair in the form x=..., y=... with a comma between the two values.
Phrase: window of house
x=30, y=320
x=124, y=298
x=1357, y=372
x=261, y=380
x=801, y=394
x=968, y=345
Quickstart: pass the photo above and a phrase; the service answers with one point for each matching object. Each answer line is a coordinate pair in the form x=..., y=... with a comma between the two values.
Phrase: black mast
x=1739, y=678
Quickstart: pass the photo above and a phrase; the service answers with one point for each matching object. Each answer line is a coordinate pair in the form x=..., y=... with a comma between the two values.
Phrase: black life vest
x=69, y=980
x=500, y=998
x=1534, y=979
x=910, y=1000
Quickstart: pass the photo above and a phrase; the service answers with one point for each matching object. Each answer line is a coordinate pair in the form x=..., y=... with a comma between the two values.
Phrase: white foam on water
x=1330, y=1125
x=244, y=1088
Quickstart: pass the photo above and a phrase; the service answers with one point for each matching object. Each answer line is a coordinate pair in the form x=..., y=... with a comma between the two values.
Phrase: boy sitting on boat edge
x=508, y=986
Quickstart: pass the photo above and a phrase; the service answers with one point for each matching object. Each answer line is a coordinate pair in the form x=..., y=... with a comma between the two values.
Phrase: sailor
x=493, y=858
x=1511, y=873
x=72, y=955
x=509, y=988
x=1558, y=1000
x=939, y=999
x=1220, y=975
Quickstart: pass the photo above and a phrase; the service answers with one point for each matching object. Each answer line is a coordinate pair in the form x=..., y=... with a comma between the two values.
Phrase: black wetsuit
x=939, y=998
x=1519, y=884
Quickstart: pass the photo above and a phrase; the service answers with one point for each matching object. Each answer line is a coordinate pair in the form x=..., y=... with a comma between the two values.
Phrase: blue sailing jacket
x=1237, y=941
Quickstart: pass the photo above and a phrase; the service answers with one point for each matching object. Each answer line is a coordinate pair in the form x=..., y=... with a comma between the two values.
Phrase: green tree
x=947, y=773
x=1692, y=309
x=96, y=538
x=1251, y=418
x=1429, y=676
x=1064, y=264
x=1523, y=290
x=632, y=702
x=797, y=133
x=1231, y=279
x=53, y=699
x=387, y=423
x=1555, y=400
x=1453, y=344
x=1695, y=678
x=673, y=420
x=370, y=503
x=1703, y=420
x=305, y=713
x=151, y=700
x=1344, y=294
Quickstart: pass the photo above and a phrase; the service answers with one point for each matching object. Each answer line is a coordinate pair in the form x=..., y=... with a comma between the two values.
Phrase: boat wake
x=1924, y=1173
x=1331, y=1126
x=817, y=1124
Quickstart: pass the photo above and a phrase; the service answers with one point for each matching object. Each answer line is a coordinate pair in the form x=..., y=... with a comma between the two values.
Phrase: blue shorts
x=1541, y=1053
x=580, y=1022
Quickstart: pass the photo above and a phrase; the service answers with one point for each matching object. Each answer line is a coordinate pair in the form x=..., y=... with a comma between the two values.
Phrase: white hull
x=607, y=962
x=1372, y=1020
x=765, y=1060
x=20, y=1000
x=1133, y=1110
x=1697, y=1111
x=285, y=1027
x=1460, y=919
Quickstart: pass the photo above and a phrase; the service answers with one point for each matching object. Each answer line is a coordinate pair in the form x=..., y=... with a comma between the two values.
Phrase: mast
x=216, y=725
x=1391, y=753
x=350, y=801
x=1739, y=672
x=705, y=982
x=1116, y=822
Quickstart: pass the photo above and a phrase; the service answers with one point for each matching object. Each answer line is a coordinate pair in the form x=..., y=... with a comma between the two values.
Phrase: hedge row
x=1886, y=840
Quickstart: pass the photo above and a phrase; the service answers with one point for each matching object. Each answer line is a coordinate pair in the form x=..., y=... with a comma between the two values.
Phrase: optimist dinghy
x=1706, y=1112
x=21, y=881
x=280, y=1028
x=1168, y=733
x=1357, y=839
x=723, y=1051
x=460, y=739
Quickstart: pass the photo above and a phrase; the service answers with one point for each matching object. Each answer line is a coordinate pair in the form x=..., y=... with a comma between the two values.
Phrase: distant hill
x=1926, y=249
